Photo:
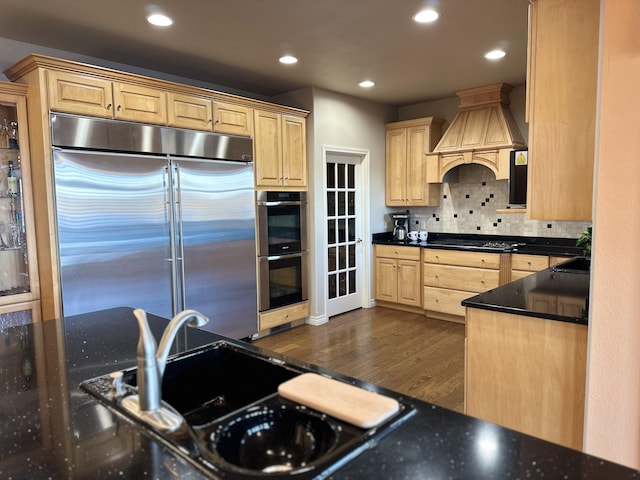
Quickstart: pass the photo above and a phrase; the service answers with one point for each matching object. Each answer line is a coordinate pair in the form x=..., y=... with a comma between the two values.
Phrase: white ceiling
x=339, y=43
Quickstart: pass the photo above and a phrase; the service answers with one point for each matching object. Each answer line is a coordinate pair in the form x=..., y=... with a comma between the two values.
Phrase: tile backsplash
x=469, y=206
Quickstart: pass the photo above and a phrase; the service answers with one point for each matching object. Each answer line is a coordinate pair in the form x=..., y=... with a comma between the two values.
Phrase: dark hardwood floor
x=405, y=352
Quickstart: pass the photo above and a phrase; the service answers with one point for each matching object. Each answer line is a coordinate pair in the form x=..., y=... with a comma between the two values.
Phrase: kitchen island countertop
x=52, y=429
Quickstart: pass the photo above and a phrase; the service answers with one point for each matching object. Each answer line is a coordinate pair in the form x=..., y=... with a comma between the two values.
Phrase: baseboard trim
x=317, y=320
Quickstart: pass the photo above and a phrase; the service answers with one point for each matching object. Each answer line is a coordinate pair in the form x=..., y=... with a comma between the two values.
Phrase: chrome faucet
x=152, y=361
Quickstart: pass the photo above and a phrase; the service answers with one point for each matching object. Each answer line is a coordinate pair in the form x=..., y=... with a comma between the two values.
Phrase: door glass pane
x=343, y=284
x=341, y=203
x=331, y=263
x=14, y=264
x=352, y=203
x=352, y=256
x=352, y=281
x=332, y=286
x=342, y=257
x=331, y=231
x=351, y=176
x=331, y=175
x=352, y=229
x=331, y=204
x=341, y=175
x=342, y=234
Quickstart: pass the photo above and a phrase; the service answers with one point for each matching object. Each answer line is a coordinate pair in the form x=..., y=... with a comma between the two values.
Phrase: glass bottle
x=12, y=180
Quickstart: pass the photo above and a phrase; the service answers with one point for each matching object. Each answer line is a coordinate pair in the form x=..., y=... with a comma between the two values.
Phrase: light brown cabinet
x=19, y=282
x=198, y=113
x=280, y=316
x=280, y=151
x=561, y=108
x=85, y=95
x=451, y=276
x=527, y=374
x=407, y=142
x=397, y=275
x=523, y=265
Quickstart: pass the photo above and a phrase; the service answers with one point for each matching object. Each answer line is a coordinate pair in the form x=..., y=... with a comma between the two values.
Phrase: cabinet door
x=396, y=167
x=386, y=279
x=186, y=111
x=139, y=104
x=267, y=149
x=562, y=92
x=571, y=306
x=73, y=93
x=294, y=152
x=416, y=166
x=409, y=285
x=232, y=119
x=19, y=280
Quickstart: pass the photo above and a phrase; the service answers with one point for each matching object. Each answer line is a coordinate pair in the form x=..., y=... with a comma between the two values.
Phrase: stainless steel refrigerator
x=157, y=218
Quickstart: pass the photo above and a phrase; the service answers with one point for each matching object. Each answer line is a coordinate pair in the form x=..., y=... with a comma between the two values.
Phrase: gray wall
x=345, y=122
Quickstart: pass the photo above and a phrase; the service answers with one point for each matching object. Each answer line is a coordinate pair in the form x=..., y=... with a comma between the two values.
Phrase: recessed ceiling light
x=426, y=16
x=367, y=84
x=159, y=20
x=495, y=54
x=288, y=59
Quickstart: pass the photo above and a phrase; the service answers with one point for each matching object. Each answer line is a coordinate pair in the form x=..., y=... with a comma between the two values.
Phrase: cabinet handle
x=109, y=107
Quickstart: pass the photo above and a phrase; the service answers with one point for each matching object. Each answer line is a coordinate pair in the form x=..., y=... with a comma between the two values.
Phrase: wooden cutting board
x=349, y=403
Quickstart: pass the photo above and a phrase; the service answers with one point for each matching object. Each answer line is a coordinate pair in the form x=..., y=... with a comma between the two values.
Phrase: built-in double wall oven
x=282, y=248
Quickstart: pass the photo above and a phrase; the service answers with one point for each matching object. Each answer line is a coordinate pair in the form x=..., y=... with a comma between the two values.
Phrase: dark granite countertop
x=562, y=247
x=548, y=294
x=50, y=429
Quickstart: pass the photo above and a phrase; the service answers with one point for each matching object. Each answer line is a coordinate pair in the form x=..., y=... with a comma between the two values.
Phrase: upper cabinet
x=19, y=286
x=407, y=142
x=561, y=107
x=199, y=113
x=280, y=151
x=72, y=93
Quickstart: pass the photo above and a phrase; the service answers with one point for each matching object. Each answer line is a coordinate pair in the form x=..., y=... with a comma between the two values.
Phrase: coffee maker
x=400, y=225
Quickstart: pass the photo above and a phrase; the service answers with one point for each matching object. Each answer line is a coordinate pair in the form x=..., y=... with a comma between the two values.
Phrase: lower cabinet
x=527, y=374
x=397, y=275
x=523, y=265
x=450, y=276
x=280, y=316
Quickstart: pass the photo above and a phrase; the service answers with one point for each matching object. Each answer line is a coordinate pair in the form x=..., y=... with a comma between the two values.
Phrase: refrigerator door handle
x=175, y=307
x=178, y=199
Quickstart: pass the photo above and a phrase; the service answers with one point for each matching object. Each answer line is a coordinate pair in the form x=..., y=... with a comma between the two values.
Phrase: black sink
x=236, y=425
x=580, y=265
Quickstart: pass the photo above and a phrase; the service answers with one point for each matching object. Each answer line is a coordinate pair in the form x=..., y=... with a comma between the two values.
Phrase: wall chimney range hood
x=483, y=132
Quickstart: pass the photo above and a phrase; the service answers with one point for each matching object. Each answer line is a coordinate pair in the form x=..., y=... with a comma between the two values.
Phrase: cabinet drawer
x=445, y=301
x=518, y=274
x=273, y=318
x=529, y=263
x=460, y=278
x=465, y=259
x=393, y=251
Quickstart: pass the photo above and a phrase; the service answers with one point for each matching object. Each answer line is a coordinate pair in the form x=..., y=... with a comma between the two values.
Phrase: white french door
x=343, y=191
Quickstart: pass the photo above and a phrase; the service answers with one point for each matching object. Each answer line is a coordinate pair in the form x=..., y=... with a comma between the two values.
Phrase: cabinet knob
x=217, y=121
x=211, y=121
x=109, y=107
x=119, y=107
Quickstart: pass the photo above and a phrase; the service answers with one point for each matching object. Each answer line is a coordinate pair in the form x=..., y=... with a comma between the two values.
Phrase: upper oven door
x=282, y=227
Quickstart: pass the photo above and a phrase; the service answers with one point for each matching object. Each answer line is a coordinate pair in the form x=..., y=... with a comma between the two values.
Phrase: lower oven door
x=283, y=280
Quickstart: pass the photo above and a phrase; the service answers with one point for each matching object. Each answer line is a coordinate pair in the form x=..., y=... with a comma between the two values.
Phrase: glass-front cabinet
x=19, y=289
